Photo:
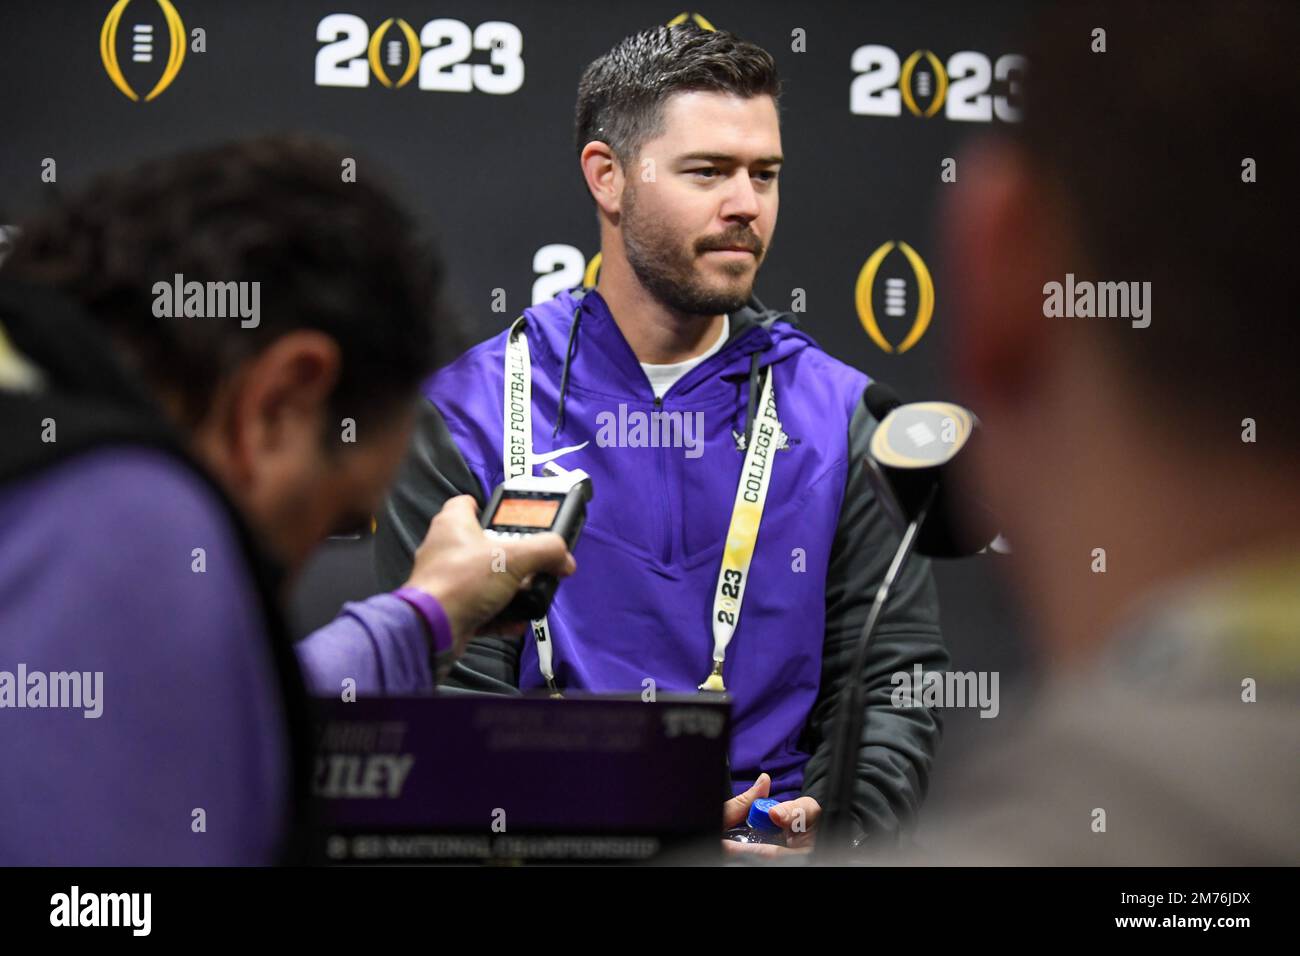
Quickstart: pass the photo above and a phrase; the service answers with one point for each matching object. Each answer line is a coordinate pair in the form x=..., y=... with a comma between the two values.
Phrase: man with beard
x=733, y=542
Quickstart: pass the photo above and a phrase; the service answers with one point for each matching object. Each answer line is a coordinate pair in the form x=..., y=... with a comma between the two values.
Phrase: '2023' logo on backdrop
x=394, y=54
x=969, y=88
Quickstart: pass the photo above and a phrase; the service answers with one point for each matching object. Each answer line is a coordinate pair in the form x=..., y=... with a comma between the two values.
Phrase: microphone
x=910, y=463
x=914, y=465
x=880, y=400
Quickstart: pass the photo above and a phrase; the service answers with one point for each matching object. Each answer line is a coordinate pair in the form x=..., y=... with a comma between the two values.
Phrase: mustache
x=738, y=239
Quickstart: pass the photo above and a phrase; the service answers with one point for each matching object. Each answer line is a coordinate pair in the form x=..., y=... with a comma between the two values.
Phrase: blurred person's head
x=303, y=414
x=679, y=141
x=1102, y=434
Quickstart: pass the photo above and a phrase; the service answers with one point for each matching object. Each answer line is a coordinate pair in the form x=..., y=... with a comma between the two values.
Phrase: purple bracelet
x=433, y=614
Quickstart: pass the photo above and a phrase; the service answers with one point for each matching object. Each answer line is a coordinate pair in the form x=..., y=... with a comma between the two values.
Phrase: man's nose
x=741, y=202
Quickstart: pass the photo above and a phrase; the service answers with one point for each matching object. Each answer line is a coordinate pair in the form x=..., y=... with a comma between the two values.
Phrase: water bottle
x=759, y=826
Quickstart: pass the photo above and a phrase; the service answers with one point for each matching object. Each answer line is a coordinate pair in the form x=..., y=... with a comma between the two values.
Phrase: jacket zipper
x=713, y=359
x=666, y=548
x=665, y=524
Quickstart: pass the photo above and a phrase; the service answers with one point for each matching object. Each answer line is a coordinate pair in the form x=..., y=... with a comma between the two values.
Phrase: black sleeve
x=897, y=746
x=434, y=471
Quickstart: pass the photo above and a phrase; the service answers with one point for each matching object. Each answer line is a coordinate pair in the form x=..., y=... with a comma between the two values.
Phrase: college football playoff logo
x=146, y=32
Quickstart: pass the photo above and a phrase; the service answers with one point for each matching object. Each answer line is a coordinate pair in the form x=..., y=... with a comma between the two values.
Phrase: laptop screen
x=455, y=779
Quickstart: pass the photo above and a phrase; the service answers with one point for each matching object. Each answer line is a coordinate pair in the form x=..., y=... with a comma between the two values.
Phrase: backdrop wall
x=466, y=110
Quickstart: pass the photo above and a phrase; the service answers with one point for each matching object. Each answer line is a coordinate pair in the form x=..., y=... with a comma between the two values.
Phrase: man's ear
x=604, y=176
x=1003, y=241
x=280, y=395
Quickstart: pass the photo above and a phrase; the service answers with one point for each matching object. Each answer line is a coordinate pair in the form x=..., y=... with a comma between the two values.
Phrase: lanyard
x=742, y=534
x=517, y=459
x=746, y=513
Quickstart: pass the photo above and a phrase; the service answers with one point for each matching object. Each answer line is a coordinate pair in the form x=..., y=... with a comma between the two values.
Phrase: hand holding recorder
x=473, y=575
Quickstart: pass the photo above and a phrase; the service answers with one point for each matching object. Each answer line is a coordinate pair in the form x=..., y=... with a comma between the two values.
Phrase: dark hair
x=339, y=257
x=621, y=94
x=1146, y=142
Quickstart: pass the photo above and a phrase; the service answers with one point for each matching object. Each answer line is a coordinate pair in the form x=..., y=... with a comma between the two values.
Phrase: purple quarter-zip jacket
x=639, y=608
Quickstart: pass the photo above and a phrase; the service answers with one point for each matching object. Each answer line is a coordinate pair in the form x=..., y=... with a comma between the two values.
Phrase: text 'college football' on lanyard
x=742, y=534
x=517, y=459
x=746, y=514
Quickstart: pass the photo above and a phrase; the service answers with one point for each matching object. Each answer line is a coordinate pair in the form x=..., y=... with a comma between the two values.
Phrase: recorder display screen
x=526, y=512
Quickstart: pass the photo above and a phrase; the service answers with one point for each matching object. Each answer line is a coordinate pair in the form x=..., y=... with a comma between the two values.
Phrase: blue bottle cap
x=759, y=816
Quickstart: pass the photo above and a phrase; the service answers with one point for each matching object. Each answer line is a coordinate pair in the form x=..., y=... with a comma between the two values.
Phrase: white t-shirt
x=662, y=377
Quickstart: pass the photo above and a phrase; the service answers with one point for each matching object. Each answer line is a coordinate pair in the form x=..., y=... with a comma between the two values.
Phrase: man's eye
x=767, y=175
x=707, y=171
